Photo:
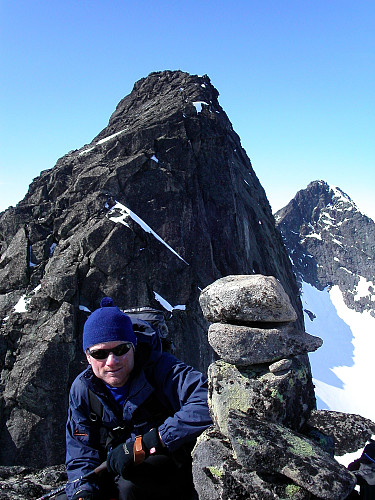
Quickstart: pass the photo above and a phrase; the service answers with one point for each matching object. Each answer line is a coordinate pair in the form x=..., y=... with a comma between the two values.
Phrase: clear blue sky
x=296, y=78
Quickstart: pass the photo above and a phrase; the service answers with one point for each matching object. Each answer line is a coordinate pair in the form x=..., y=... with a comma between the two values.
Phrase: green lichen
x=292, y=490
x=248, y=373
x=300, y=446
x=276, y=395
x=216, y=472
x=251, y=443
x=302, y=374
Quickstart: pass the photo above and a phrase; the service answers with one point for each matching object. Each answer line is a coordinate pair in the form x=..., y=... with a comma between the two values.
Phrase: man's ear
x=88, y=357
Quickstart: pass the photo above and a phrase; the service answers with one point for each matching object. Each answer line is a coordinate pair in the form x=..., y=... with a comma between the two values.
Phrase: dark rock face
x=350, y=432
x=188, y=209
x=330, y=242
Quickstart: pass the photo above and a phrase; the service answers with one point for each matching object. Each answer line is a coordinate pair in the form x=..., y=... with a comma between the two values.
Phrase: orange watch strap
x=139, y=452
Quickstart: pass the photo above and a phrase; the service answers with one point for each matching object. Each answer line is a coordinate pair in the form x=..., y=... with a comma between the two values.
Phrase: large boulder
x=245, y=299
x=350, y=432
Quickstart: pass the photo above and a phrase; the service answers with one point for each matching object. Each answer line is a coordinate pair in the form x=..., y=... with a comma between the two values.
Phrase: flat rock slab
x=271, y=448
x=244, y=345
x=246, y=298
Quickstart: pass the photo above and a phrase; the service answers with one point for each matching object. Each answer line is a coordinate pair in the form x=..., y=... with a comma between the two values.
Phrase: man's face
x=113, y=370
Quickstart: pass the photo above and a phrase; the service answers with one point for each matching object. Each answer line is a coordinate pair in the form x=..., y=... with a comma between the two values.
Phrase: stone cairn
x=260, y=398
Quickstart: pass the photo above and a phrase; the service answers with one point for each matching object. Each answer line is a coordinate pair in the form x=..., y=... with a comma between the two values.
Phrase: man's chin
x=115, y=380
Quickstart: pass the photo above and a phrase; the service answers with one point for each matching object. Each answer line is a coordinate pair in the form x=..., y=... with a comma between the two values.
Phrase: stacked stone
x=260, y=397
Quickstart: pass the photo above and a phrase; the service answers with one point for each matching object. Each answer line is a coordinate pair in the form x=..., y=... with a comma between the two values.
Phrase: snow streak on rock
x=126, y=213
x=167, y=305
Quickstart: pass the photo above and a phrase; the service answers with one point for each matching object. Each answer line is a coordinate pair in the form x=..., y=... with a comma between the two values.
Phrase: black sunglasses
x=119, y=350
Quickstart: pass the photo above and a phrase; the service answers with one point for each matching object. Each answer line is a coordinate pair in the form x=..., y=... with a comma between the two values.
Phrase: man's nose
x=112, y=359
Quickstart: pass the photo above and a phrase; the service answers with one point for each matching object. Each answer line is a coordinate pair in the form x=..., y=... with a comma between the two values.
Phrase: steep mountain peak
x=167, y=92
x=330, y=241
x=160, y=204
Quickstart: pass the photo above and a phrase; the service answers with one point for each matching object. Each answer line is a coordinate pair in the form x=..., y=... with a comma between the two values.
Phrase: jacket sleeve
x=82, y=441
x=186, y=391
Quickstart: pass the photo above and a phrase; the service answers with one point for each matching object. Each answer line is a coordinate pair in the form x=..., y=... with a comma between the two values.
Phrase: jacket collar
x=140, y=389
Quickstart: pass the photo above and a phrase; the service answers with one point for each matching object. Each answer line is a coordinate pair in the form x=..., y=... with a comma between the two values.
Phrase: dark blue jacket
x=181, y=390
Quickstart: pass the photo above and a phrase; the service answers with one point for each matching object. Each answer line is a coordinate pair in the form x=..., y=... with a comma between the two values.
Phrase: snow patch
x=167, y=305
x=85, y=151
x=102, y=141
x=198, y=105
x=106, y=139
x=337, y=242
x=346, y=459
x=24, y=301
x=126, y=213
x=21, y=305
x=362, y=290
x=343, y=364
x=314, y=235
x=342, y=197
x=345, y=269
x=84, y=308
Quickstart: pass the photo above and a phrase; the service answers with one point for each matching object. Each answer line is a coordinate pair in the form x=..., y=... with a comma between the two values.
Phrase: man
x=151, y=409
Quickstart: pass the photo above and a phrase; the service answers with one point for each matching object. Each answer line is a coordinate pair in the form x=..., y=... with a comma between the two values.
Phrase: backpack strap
x=96, y=407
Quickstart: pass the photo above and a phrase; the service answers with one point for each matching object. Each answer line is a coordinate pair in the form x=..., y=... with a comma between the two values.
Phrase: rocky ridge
x=161, y=203
x=265, y=443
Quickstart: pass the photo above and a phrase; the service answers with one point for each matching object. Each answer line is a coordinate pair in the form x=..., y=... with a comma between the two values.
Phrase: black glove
x=122, y=457
x=85, y=495
x=151, y=442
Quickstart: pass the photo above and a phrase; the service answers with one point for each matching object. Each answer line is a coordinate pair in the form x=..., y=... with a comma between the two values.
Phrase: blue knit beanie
x=107, y=324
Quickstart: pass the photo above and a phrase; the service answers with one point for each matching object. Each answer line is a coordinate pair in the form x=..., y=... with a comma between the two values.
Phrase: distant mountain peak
x=331, y=245
x=330, y=241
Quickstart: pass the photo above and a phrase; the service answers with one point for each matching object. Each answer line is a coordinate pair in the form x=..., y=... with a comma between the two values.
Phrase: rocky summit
x=161, y=203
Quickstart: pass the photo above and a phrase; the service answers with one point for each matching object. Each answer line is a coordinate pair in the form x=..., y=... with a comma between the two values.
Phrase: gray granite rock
x=287, y=397
x=280, y=366
x=26, y=483
x=246, y=298
x=245, y=345
x=271, y=448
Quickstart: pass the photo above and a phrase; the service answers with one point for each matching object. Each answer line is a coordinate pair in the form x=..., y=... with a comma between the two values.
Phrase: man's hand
x=151, y=442
x=123, y=456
